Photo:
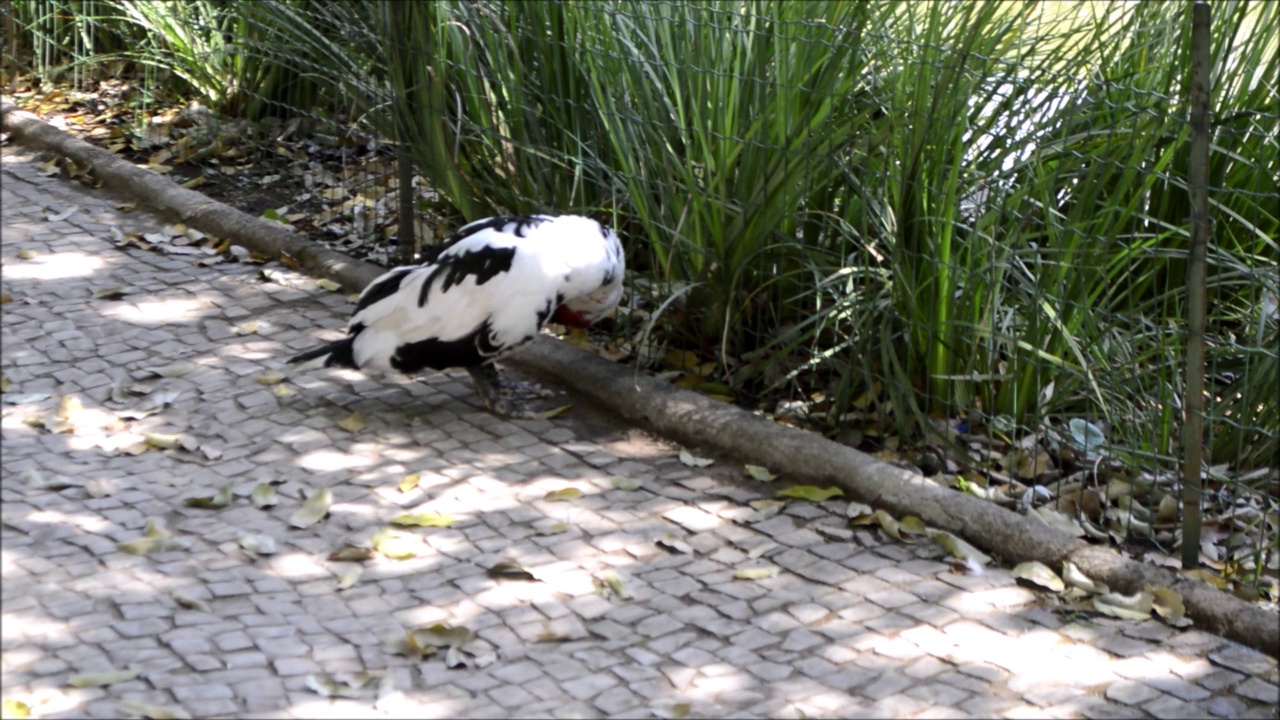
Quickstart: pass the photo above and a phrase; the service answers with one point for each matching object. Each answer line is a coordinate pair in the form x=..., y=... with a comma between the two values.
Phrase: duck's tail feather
x=339, y=353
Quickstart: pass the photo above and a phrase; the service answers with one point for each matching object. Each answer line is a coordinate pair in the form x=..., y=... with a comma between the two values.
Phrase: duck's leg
x=489, y=385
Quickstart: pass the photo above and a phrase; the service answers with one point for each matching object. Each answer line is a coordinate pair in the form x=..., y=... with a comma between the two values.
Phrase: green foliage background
x=944, y=206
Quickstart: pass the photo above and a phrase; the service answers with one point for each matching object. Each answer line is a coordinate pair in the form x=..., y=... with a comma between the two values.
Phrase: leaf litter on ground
x=674, y=543
x=608, y=583
x=811, y=493
x=264, y=496
x=156, y=539
x=626, y=484
x=222, y=499
x=313, y=510
x=694, y=461
x=101, y=679
x=563, y=495
x=508, y=570
x=427, y=519
x=396, y=545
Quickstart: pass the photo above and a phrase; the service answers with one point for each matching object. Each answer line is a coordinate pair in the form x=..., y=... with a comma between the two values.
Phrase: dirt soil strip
x=695, y=420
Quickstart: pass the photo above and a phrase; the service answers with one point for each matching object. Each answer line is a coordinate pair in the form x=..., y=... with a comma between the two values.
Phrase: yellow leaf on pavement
x=353, y=423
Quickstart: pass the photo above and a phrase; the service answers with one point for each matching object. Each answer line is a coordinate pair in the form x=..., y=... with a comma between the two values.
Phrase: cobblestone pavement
x=852, y=626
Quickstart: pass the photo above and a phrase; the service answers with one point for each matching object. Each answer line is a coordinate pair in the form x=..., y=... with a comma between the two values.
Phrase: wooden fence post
x=1198, y=188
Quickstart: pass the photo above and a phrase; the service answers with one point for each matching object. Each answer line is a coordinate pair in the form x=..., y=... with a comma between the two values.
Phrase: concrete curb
x=695, y=420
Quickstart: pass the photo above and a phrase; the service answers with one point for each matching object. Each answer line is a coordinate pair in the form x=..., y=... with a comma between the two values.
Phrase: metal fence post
x=1198, y=188
x=405, y=230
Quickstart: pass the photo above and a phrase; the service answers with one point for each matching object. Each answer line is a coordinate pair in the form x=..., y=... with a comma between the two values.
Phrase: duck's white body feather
x=485, y=291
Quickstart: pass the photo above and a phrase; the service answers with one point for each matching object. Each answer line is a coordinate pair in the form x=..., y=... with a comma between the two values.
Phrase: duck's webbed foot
x=507, y=400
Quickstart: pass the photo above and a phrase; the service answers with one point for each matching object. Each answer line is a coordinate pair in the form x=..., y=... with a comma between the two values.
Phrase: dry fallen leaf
x=1206, y=576
x=554, y=412
x=563, y=495
x=673, y=543
x=156, y=539
x=1167, y=511
x=154, y=404
x=551, y=527
x=221, y=500
x=100, y=679
x=353, y=423
x=344, y=685
x=329, y=285
x=759, y=573
x=150, y=710
x=429, y=640
x=887, y=523
x=959, y=548
x=114, y=293
x=1169, y=606
x=395, y=544
x=626, y=483
x=912, y=525
x=760, y=473
x=257, y=544
x=351, y=553
x=764, y=509
x=692, y=460
x=857, y=510
x=1125, y=607
x=1057, y=520
x=671, y=711
x=313, y=510
x=1074, y=577
x=507, y=570
x=191, y=603
x=148, y=545
x=270, y=377
x=410, y=482
x=163, y=441
x=274, y=276
x=608, y=583
x=1039, y=574
x=811, y=493
x=173, y=370
x=349, y=578
x=424, y=520
x=263, y=496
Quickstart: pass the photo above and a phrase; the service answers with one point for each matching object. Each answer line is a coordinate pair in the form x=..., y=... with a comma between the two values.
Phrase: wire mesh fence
x=950, y=226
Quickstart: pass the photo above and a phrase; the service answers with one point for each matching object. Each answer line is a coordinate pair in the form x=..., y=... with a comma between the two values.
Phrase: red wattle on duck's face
x=570, y=318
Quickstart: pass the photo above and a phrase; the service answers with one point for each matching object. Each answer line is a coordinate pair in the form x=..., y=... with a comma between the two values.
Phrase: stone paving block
x=1224, y=707
x=1169, y=707
x=938, y=694
x=1131, y=692
x=1255, y=689
x=1234, y=657
x=770, y=672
